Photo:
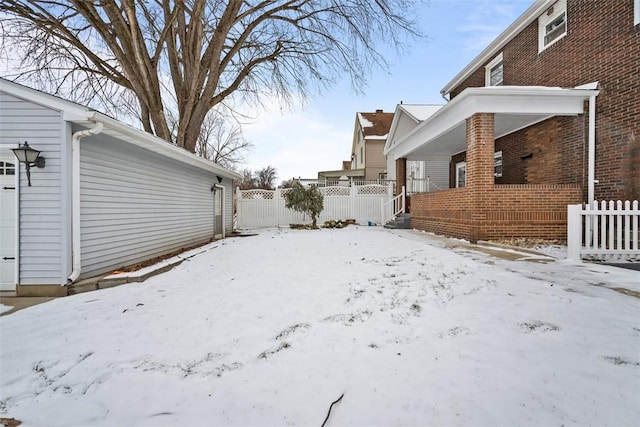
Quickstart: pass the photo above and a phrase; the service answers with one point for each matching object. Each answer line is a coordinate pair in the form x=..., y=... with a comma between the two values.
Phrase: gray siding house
x=109, y=195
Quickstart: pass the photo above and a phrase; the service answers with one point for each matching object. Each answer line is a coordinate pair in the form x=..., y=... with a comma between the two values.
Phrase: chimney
x=378, y=111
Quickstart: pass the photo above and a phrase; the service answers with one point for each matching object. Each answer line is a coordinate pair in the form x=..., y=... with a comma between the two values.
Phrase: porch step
x=401, y=222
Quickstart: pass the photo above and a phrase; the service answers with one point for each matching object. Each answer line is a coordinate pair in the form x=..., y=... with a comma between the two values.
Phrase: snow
x=270, y=329
x=364, y=122
x=5, y=308
x=421, y=111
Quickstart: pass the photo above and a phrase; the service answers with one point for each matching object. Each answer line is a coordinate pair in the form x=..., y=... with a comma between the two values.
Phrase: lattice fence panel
x=265, y=208
x=372, y=189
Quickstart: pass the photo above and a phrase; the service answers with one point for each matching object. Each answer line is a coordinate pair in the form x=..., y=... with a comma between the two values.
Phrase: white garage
x=108, y=196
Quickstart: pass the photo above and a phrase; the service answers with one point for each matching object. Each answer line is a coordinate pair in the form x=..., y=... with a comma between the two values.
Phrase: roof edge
x=166, y=148
x=527, y=17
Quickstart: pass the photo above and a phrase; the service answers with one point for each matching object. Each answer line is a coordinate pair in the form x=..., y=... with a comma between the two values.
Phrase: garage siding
x=41, y=250
x=136, y=205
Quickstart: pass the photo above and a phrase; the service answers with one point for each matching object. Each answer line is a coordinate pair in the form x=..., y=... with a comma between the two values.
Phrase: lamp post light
x=30, y=157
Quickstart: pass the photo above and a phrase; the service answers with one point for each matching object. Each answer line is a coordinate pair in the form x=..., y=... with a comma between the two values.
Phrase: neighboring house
x=424, y=175
x=367, y=160
x=369, y=137
x=109, y=195
x=546, y=116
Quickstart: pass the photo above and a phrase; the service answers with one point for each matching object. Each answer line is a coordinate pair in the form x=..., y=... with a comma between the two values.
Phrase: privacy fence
x=606, y=231
x=367, y=204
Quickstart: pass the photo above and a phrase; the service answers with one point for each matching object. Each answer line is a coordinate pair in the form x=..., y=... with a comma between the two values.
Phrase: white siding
x=41, y=251
x=136, y=205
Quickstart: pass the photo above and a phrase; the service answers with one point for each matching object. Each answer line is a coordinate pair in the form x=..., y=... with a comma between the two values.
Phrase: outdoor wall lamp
x=30, y=157
x=219, y=178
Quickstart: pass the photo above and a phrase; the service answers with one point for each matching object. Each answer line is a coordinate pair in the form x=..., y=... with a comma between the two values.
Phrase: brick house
x=547, y=115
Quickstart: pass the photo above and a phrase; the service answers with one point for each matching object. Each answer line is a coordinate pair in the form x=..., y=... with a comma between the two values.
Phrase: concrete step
x=401, y=222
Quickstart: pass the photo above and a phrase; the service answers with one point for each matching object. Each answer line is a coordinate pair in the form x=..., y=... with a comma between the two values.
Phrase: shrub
x=306, y=200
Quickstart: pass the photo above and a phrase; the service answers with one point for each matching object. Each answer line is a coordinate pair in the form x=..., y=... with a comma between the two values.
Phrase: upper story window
x=493, y=72
x=552, y=25
x=636, y=12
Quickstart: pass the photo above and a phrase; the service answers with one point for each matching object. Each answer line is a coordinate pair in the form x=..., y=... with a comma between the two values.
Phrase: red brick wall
x=446, y=212
x=601, y=45
x=502, y=211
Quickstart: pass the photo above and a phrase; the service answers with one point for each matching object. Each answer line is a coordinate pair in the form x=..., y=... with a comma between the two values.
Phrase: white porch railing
x=603, y=230
x=266, y=208
x=421, y=185
x=394, y=207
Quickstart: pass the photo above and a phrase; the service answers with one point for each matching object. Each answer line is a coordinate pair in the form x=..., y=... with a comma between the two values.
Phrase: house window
x=382, y=176
x=636, y=12
x=497, y=164
x=493, y=72
x=461, y=174
x=362, y=156
x=552, y=25
x=7, y=168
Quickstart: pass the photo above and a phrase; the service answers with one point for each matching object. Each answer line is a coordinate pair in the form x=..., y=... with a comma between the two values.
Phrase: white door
x=7, y=223
x=218, y=210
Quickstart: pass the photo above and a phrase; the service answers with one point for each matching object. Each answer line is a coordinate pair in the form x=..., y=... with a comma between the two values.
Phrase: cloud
x=484, y=21
x=298, y=144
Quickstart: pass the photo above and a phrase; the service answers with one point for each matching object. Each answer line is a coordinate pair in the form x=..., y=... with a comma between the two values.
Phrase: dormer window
x=552, y=25
x=494, y=72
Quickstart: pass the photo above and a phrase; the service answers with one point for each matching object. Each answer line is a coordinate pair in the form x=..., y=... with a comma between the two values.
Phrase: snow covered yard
x=269, y=330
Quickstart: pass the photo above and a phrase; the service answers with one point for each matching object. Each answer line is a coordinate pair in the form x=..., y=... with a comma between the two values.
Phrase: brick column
x=401, y=174
x=480, y=179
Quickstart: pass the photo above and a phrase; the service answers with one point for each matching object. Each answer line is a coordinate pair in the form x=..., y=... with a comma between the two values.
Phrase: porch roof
x=515, y=108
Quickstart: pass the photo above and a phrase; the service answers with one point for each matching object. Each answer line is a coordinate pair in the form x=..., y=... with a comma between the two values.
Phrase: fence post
x=238, y=215
x=574, y=232
x=276, y=200
x=352, y=200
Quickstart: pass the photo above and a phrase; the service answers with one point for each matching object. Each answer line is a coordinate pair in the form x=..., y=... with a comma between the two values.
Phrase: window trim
x=460, y=166
x=556, y=10
x=497, y=162
x=495, y=62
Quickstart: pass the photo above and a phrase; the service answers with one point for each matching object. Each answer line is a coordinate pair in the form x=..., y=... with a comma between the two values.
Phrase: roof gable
x=406, y=118
x=375, y=124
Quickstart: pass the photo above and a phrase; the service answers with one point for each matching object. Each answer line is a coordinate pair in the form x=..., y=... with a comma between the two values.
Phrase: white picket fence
x=605, y=231
x=266, y=208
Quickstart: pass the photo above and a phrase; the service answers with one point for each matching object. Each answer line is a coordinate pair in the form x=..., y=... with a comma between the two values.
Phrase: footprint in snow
x=538, y=326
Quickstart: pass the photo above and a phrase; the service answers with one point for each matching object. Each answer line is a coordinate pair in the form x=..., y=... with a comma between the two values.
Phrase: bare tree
x=222, y=142
x=266, y=177
x=191, y=55
x=248, y=180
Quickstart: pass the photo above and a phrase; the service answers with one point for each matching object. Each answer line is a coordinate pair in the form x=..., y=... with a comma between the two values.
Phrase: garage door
x=7, y=223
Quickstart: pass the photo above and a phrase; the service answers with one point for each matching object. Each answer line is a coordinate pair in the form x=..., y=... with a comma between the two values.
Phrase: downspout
x=75, y=198
x=591, y=175
x=444, y=96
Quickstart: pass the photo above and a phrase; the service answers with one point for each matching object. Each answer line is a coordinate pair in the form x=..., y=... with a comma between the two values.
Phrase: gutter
x=75, y=191
x=591, y=140
x=591, y=176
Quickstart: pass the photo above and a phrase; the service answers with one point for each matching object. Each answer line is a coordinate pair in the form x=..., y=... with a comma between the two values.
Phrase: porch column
x=480, y=179
x=401, y=174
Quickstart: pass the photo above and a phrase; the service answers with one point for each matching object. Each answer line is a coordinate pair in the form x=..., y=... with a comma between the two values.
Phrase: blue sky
x=303, y=140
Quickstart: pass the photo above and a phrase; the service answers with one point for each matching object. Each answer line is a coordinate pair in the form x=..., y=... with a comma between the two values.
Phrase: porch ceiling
x=515, y=108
